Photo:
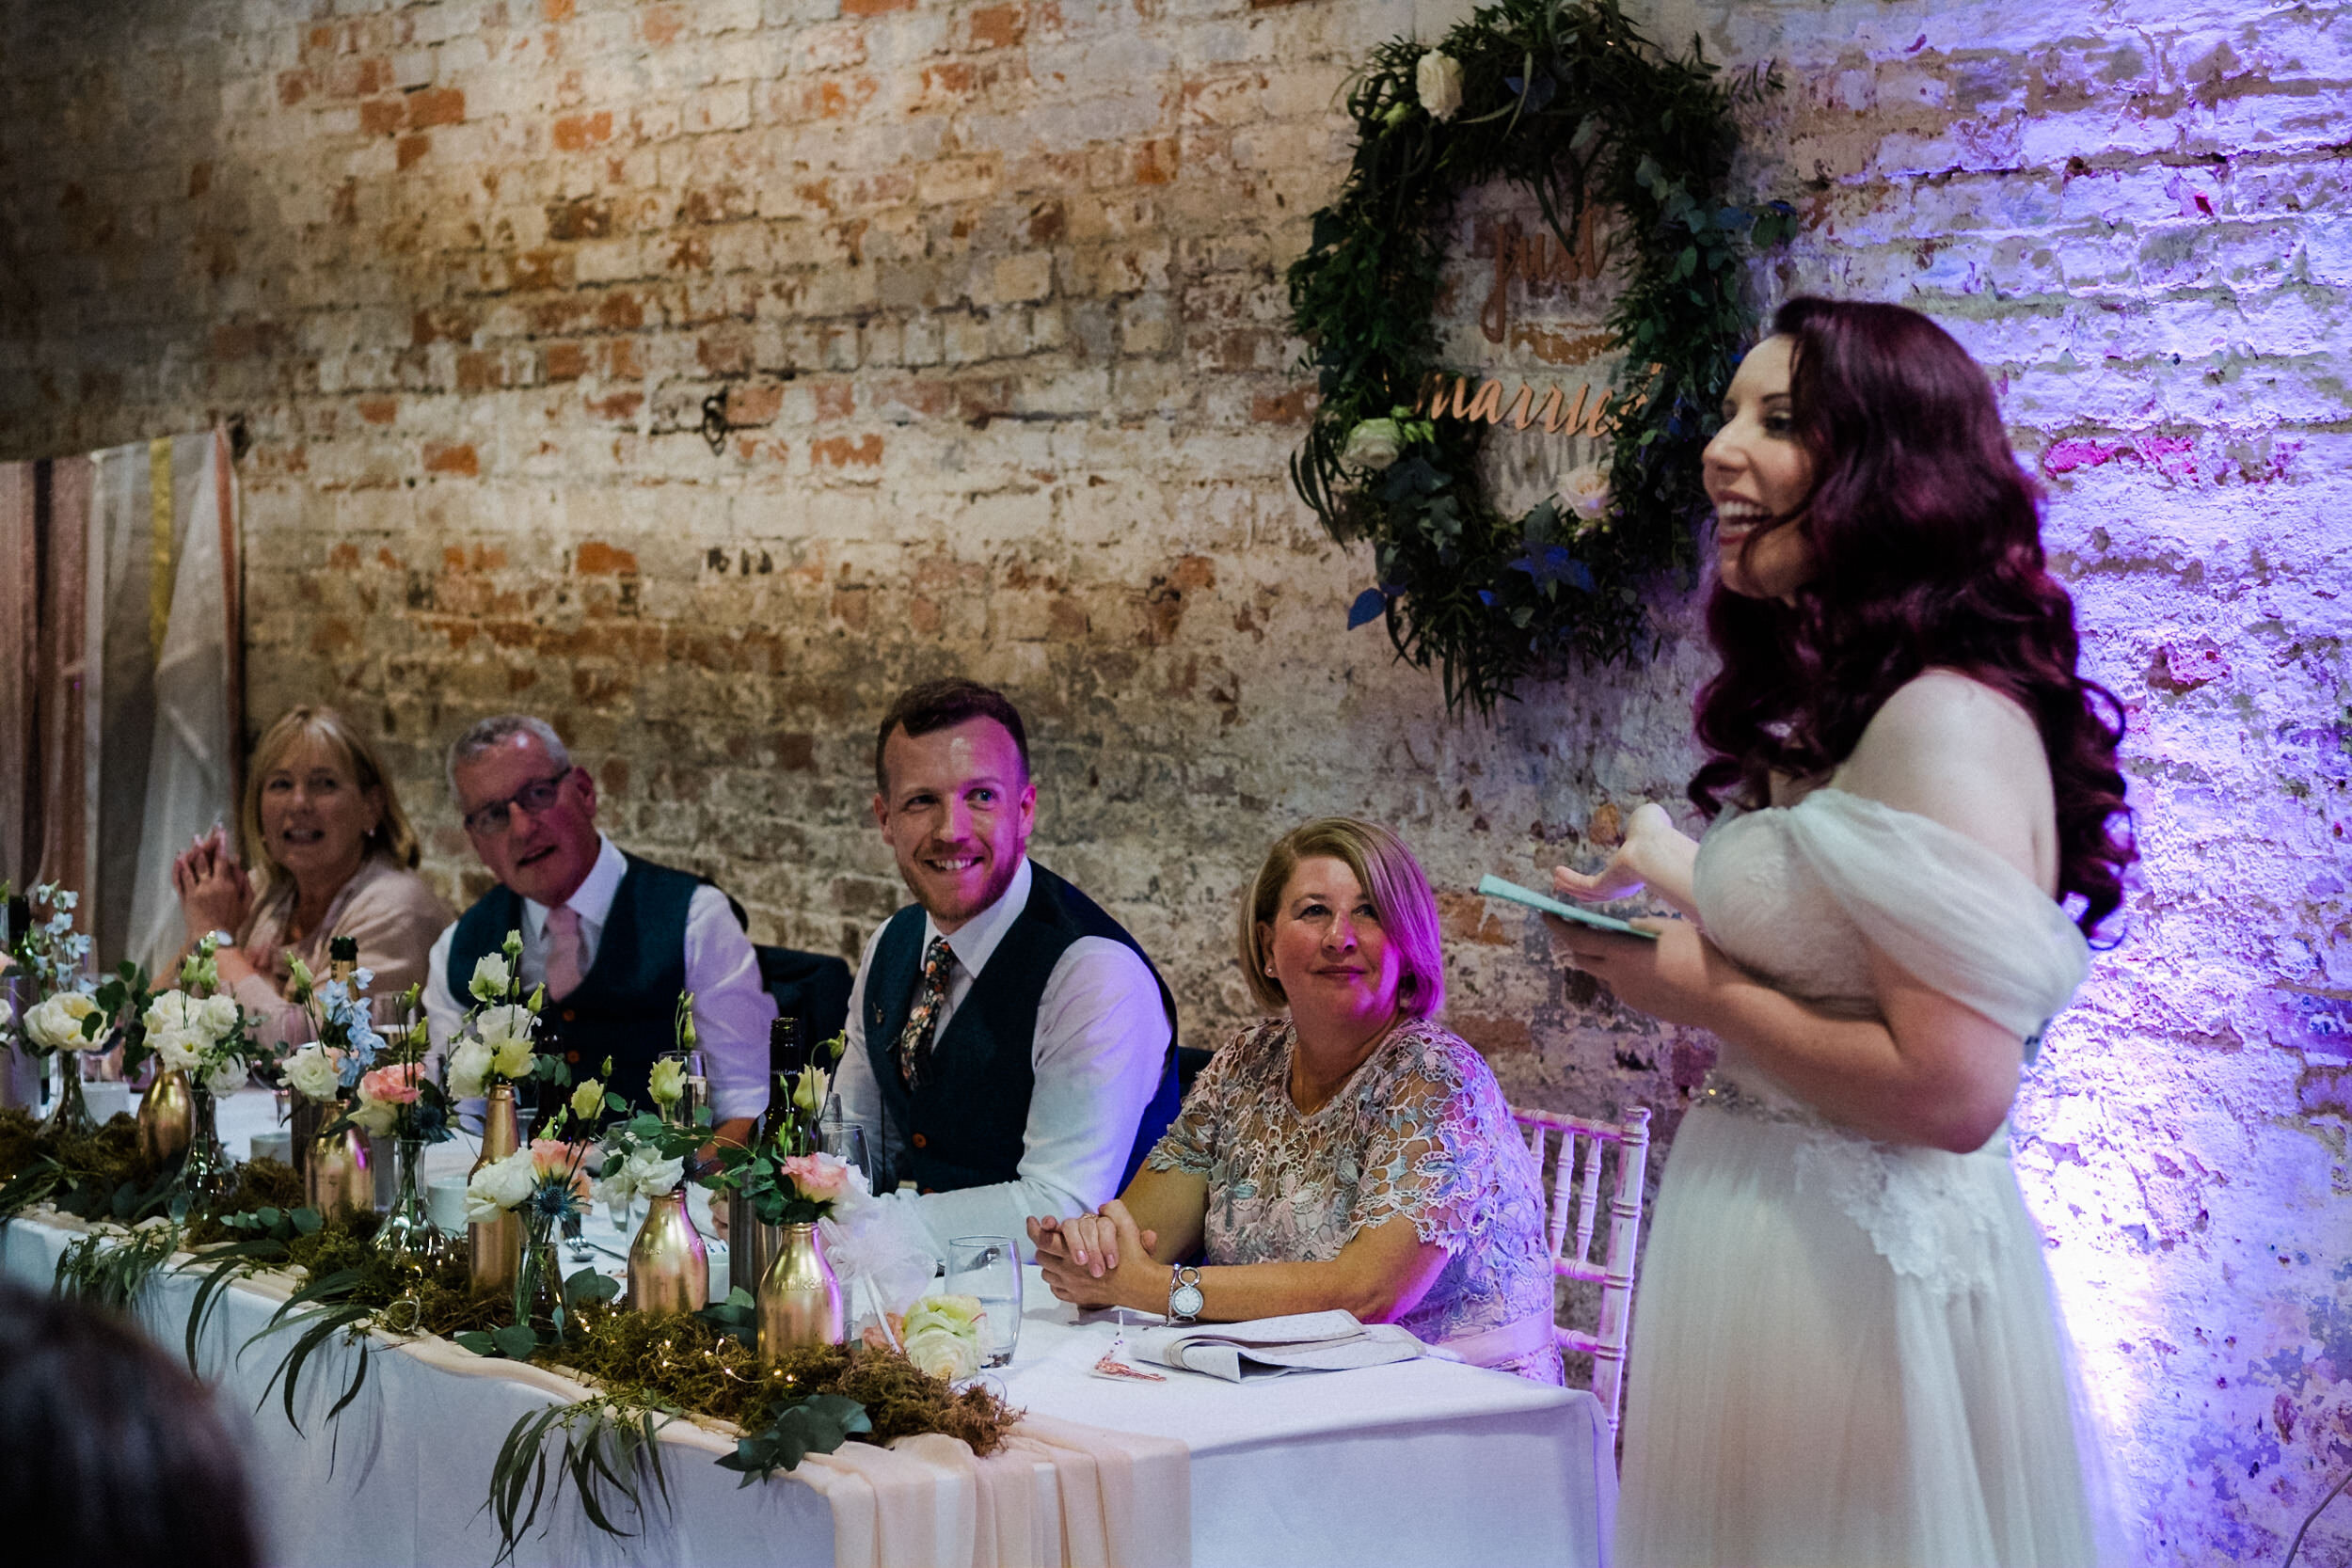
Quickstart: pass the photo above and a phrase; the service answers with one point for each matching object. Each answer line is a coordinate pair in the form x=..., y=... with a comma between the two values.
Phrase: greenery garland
x=1565, y=100
x=648, y=1368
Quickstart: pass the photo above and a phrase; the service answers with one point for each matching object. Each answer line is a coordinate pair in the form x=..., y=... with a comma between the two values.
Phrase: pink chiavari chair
x=1567, y=1151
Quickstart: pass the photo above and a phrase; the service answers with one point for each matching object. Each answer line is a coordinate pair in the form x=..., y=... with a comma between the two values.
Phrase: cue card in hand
x=1495, y=887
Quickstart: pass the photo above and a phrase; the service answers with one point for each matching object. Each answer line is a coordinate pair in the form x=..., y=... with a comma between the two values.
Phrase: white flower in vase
x=491, y=976
x=468, y=1067
x=313, y=1073
x=499, y=1186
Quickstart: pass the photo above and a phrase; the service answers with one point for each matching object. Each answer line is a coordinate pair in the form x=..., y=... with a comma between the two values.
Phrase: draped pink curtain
x=43, y=555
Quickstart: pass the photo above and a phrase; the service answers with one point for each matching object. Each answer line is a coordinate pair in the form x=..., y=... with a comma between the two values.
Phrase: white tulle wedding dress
x=1846, y=1352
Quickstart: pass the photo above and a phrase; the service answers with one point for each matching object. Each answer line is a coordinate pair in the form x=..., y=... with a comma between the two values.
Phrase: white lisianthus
x=170, y=1013
x=225, y=1076
x=1585, y=492
x=499, y=1186
x=468, y=1066
x=508, y=1031
x=666, y=1084
x=376, y=1117
x=512, y=1059
x=221, y=1017
x=1438, y=82
x=56, y=1024
x=491, y=976
x=588, y=1100
x=644, y=1174
x=312, y=1073
x=7, y=1015
x=1374, y=444
x=808, y=1094
x=179, y=1049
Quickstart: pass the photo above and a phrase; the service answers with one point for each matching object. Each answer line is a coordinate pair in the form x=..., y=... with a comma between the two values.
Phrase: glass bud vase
x=167, y=1119
x=493, y=1247
x=800, y=1302
x=538, y=1278
x=407, y=1234
x=205, y=1172
x=69, y=1118
x=669, y=1267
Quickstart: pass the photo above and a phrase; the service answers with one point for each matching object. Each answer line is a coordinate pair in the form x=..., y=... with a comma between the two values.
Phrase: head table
x=1422, y=1461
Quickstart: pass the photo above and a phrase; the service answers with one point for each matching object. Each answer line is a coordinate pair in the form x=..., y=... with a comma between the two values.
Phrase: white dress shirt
x=732, y=1010
x=1102, y=1037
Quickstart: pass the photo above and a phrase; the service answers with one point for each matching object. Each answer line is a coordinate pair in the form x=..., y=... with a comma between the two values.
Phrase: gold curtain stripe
x=159, y=578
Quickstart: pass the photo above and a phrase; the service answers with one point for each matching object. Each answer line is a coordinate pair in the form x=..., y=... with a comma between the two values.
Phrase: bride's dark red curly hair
x=1927, y=538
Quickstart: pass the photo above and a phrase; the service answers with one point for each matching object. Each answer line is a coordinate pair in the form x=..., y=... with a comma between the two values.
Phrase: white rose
x=491, y=978
x=1585, y=491
x=1438, y=82
x=55, y=1024
x=468, y=1066
x=1373, y=444
x=944, y=1353
x=312, y=1073
x=226, y=1078
x=499, y=1186
x=221, y=1017
x=375, y=1116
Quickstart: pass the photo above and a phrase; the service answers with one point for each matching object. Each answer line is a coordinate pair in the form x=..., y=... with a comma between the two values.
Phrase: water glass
x=988, y=1267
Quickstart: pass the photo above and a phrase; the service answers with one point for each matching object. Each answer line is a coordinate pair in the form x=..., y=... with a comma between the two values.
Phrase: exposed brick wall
x=991, y=296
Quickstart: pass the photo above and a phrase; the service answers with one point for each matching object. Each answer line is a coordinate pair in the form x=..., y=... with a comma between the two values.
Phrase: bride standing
x=1845, y=1348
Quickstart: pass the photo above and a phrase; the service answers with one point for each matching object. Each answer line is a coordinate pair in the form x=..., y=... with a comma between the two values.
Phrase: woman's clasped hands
x=214, y=893
x=1100, y=1259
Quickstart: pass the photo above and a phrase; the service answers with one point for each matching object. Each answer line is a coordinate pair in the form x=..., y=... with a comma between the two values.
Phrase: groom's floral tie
x=914, y=1040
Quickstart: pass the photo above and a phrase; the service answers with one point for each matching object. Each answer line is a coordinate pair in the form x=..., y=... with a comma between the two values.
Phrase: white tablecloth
x=1422, y=1462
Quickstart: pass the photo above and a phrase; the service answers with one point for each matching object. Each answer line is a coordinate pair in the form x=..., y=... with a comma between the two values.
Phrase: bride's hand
x=1627, y=871
x=1672, y=980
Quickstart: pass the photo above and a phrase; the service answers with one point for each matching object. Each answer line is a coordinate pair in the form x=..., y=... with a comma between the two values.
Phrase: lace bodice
x=1800, y=896
x=1419, y=1131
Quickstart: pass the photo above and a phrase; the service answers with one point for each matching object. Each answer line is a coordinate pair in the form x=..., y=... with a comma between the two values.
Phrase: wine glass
x=846, y=1142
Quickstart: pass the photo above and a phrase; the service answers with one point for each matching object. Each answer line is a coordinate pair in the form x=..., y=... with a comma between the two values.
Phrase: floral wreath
x=1564, y=98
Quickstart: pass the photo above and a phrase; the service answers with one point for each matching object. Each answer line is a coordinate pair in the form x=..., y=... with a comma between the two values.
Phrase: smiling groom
x=1011, y=1050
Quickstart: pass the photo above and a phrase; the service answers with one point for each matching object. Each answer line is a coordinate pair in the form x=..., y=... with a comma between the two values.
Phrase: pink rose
x=392, y=1086
x=820, y=1178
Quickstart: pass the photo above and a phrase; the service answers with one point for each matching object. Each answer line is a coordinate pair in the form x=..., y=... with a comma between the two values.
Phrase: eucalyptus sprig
x=1567, y=101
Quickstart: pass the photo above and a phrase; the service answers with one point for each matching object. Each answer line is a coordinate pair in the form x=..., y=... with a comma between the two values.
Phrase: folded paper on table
x=1330, y=1341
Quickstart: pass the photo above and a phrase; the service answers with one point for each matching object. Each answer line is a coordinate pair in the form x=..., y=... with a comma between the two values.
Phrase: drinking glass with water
x=988, y=1267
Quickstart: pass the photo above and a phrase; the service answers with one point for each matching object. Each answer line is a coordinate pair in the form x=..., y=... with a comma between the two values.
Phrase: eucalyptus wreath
x=1565, y=100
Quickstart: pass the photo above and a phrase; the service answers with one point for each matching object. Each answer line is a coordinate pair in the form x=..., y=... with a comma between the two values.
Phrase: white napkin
x=1268, y=1347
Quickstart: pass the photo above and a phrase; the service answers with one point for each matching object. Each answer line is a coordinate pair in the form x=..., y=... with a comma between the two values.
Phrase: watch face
x=1185, y=1300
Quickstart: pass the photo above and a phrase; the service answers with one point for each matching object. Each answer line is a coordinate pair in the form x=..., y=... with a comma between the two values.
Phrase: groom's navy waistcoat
x=628, y=1000
x=963, y=1125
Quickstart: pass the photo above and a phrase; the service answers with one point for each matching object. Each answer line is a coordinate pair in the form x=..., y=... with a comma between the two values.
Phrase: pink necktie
x=562, y=952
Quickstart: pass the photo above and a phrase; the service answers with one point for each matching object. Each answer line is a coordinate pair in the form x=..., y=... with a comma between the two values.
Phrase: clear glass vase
x=407, y=1235
x=69, y=1118
x=205, y=1172
x=538, y=1278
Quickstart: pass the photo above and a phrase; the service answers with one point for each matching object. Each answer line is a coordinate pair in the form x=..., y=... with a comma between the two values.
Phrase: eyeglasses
x=491, y=821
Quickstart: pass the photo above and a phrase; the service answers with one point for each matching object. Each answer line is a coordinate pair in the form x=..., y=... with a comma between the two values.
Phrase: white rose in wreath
x=1585, y=492
x=1438, y=82
x=56, y=1024
x=1374, y=444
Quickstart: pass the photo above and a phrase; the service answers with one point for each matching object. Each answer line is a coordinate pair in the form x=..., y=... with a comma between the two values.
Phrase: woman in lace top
x=1353, y=1154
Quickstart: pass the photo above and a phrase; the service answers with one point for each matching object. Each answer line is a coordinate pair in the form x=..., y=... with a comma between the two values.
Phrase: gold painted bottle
x=669, y=1267
x=494, y=1247
x=800, y=1297
x=165, y=1113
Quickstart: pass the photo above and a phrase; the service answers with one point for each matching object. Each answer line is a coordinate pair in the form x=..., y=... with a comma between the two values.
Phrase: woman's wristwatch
x=1185, y=1299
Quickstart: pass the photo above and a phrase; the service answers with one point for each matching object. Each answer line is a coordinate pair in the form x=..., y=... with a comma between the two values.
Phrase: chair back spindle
x=1573, y=1184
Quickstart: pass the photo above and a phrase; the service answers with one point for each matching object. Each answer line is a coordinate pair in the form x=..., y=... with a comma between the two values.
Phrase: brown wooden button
x=572, y=1058
x=921, y=1142
x=569, y=1015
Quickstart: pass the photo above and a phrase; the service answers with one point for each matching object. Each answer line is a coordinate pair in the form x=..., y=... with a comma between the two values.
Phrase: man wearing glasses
x=613, y=938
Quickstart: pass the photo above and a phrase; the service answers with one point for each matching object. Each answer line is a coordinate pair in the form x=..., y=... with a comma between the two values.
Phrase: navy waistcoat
x=626, y=1001
x=963, y=1126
